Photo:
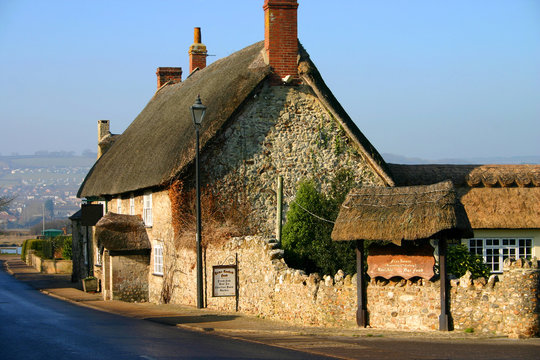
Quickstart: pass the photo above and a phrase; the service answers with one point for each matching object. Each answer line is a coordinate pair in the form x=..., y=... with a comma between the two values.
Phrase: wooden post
x=279, y=211
x=443, y=318
x=361, y=312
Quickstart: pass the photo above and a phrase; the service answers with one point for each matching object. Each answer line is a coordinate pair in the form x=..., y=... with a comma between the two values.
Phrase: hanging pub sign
x=224, y=280
x=90, y=214
x=406, y=261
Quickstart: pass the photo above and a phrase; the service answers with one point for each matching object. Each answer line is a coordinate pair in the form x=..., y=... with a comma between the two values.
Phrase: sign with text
x=406, y=261
x=224, y=280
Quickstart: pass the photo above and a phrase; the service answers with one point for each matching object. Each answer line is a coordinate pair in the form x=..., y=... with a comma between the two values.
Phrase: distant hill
x=398, y=159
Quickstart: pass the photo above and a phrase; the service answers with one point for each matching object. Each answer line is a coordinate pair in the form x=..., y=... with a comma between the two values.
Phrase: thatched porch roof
x=402, y=213
x=122, y=232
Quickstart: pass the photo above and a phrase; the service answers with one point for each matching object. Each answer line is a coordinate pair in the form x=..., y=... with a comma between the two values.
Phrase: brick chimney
x=172, y=75
x=103, y=132
x=197, y=52
x=281, y=38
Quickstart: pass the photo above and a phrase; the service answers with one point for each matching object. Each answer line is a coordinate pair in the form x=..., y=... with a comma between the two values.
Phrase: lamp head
x=197, y=111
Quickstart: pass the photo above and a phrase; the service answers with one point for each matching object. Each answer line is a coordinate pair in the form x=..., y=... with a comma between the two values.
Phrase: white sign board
x=224, y=280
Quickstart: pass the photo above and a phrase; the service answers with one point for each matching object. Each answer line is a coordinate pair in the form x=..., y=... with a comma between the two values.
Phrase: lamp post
x=197, y=113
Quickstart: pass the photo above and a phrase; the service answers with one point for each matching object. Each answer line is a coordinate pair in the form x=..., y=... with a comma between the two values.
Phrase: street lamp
x=197, y=113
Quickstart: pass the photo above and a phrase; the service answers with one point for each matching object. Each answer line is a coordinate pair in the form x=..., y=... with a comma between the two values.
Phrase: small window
x=118, y=206
x=158, y=258
x=131, y=205
x=98, y=257
x=147, y=209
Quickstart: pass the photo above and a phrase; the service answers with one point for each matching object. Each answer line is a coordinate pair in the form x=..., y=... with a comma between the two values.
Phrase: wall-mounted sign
x=224, y=280
x=406, y=261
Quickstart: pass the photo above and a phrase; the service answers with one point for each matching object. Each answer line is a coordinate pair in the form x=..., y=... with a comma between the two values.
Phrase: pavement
x=335, y=342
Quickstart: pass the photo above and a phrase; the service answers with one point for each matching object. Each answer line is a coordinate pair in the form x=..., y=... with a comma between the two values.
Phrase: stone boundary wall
x=49, y=266
x=506, y=305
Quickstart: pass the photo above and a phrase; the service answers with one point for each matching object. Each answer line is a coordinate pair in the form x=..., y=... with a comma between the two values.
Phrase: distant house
x=269, y=114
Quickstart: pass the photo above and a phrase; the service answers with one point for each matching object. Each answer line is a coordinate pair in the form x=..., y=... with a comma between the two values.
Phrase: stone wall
x=505, y=305
x=129, y=277
x=48, y=266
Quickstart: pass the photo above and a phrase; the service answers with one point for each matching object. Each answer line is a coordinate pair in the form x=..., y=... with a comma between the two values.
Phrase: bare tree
x=4, y=201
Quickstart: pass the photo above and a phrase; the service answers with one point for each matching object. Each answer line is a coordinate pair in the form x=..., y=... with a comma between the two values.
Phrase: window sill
x=157, y=274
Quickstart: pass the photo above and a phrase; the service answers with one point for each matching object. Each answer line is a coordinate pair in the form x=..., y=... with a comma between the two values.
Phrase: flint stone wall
x=269, y=288
x=505, y=304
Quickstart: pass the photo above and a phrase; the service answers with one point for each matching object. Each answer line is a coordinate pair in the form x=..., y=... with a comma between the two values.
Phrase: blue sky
x=430, y=79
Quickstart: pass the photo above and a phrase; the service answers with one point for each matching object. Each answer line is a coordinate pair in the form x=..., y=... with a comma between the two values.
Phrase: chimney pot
x=197, y=35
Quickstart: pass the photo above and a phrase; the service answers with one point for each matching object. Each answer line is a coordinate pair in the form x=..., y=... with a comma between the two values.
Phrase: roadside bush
x=306, y=238
x=23, y=249
x=460, y=259
x=67, y=248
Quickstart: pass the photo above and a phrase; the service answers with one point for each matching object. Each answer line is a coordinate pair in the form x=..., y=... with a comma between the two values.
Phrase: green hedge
x=42, y=248
x=62, y=246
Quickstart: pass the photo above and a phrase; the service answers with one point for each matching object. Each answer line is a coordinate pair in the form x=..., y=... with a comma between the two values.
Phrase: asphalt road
x=36, y=326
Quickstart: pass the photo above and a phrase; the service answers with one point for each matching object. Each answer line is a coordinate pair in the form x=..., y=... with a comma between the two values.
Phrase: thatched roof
x=122, y=232
x=502, y=208
x=494, y=196
x=159, y=143
x=401, y=213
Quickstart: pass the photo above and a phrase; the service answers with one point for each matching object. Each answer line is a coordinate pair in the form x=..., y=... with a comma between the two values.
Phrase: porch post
x=361, y=312
x=443, y=318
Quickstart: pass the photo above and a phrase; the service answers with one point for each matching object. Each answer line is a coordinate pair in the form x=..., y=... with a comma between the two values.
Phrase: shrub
x=23, y=249
x=306, y=238
x=460, y=259
x=67, y=248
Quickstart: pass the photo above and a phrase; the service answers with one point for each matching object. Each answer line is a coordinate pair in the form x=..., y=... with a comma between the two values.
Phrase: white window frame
x=131, y=205
x=98, y=257
x=495, y=250
x=158, y=257
x=118, y=205
x=147, y=208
